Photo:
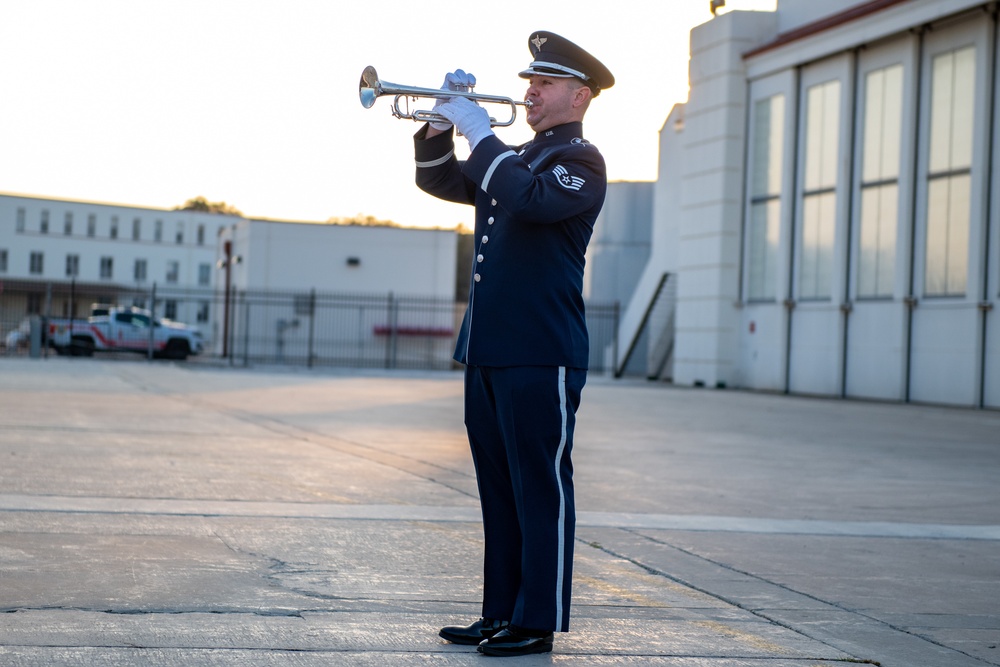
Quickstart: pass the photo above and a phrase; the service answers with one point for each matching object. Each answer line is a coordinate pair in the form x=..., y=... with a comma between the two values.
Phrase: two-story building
x=58, y=256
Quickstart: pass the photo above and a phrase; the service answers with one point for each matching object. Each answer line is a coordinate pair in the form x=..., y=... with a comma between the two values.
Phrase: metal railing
x=653, y=341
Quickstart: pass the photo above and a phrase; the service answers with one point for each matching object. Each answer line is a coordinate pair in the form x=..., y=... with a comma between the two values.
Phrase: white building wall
x=343, y=258
x=339, y=292
x=908, y=342
x=666, y=225
x=620, y=246
x=712, y=181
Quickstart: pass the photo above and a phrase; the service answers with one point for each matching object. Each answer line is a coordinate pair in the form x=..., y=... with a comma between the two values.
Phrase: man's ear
x=582, y=96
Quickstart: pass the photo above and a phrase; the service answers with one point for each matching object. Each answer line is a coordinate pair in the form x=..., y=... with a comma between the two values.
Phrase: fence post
x=390, y=339
x=614, y=337
x=312, y=326
x=230, y=318
x=45, y=320
x=152, y=322
x=246, y=330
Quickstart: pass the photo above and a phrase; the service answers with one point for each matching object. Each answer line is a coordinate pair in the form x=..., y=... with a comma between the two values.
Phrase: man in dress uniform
x=524, y=336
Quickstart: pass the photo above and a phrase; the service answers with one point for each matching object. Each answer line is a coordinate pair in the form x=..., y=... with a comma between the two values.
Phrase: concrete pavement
x=190, y=514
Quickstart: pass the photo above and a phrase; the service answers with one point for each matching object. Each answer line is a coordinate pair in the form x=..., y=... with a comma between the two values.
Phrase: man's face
x=556, y=100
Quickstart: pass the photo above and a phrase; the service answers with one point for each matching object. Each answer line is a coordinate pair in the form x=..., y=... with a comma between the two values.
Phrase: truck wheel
x=81, y=347
x=177, y=349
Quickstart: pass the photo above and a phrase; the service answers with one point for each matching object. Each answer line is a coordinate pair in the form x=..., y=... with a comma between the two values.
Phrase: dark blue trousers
x=520, y=422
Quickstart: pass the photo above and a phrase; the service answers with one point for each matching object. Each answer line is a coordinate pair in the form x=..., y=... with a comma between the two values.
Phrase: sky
x=255, y=103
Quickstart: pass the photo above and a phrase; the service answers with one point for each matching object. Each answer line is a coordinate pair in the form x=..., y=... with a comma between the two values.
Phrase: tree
x=363, y=221
x=202, y=205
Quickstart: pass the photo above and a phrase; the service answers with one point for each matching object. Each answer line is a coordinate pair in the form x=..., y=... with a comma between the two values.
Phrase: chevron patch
x=566, y=180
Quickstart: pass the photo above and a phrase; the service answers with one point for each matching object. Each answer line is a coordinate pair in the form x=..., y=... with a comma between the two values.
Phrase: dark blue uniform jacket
x=535, y=211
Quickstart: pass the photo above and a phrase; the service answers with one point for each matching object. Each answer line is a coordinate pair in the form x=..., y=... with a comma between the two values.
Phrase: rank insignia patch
x=566, y=180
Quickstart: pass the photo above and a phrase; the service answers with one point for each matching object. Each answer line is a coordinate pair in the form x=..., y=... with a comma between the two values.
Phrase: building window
x=20, y=219
x=204, y=274
x=3, y=260
x=43, y=224
x=68, y=223
x=881, y=143
x=201, y=234
x=949, y=173
x=72, y=266
x=114, y=227
x=107, y=268
x=173, y=271
x=170, y=309
x=819, y=197
x=140, y=271
x=34, y=304
x=91, y=225
x=136, y=229
x=202, y=315
x=158, y=231
x=179, y=236
x=36, y=265
x=765, y=198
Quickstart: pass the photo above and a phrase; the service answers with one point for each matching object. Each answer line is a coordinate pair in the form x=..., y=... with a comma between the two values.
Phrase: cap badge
x=538, y=41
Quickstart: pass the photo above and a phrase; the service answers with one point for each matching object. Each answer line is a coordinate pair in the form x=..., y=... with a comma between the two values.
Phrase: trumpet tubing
x=371, y=88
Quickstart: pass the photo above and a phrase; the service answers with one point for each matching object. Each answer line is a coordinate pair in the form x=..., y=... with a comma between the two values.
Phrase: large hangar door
x=881, y=221
x=815, y=354
x=947, y=341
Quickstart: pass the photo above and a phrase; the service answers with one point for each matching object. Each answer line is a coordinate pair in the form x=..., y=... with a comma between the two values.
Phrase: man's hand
x=457, y=81
x=471, y=119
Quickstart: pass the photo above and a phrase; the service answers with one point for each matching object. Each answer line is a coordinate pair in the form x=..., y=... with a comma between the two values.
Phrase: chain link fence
x=304, y=328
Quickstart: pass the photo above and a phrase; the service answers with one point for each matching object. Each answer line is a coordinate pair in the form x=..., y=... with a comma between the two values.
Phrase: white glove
x=458, y=80
x=472, y=120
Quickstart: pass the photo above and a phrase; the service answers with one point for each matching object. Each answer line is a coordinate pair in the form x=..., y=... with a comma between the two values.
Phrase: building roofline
x=94, y=202
x=824, y=24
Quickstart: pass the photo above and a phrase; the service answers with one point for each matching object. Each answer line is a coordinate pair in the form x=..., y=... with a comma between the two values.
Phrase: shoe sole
x=459, y=639
x=542, y=648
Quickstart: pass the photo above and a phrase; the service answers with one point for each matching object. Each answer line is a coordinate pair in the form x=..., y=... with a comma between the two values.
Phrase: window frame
x=835, y=69
x=781, y=84
x=950, y=39
x=903, y=52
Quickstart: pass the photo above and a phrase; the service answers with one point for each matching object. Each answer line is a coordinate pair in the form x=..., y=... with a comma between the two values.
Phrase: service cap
x=557, y=56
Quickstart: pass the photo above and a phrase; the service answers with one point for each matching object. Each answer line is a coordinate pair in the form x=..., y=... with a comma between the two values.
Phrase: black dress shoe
x=482, y=629
x=513, y=640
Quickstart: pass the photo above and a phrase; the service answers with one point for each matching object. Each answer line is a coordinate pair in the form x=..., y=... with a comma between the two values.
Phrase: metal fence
x=305, y=328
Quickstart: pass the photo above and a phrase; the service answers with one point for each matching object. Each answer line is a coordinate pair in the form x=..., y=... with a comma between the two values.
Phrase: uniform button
x=476, y=278
x=490, y=220
x=486, y=239
x=479, y=258
x=494, y=203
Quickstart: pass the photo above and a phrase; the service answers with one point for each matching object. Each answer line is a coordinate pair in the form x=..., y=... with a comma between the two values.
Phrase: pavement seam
x=705, y=591
x=784, y=587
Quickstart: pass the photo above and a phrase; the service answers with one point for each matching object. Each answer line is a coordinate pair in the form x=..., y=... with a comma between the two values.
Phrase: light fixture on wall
x=716, y=4
x=354, y=261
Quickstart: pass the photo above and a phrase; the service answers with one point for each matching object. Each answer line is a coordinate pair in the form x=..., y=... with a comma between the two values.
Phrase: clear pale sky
x=255, y=103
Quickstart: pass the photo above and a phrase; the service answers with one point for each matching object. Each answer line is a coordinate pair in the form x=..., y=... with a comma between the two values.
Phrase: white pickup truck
x=124, y=329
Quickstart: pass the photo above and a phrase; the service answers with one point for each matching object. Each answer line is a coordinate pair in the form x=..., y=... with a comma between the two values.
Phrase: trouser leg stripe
x=561, y=549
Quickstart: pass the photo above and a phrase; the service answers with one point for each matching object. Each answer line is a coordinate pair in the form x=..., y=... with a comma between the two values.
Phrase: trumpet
x=371, y=88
